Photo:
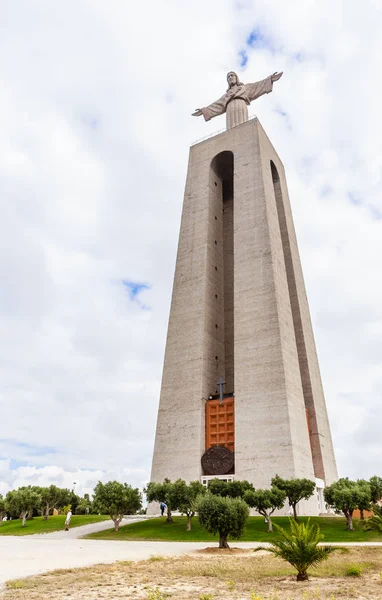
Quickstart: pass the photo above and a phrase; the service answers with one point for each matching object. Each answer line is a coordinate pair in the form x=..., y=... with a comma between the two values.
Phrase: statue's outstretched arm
x=212, y=110
x=276, y=76
x=257, y=89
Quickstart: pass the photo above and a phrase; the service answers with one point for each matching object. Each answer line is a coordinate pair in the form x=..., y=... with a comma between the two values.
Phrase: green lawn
x=38, y=525
x=256, y=531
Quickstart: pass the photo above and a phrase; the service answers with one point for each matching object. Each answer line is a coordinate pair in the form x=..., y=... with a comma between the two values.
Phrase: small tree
x=182, y=497
x=22, y=502
x=364, y=503
x=85, y=506
x=2, y=509
x=231, y=489
x=116, y=500
x=299, y=547
x=161, y=492
x=266, y=502
x=295, y=490
x=346, y=496
x=225, y=516
x=375, y=489
x=54, y=497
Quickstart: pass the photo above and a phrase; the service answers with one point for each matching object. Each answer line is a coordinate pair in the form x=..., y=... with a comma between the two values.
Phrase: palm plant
x=373, y=524
x=299, y=547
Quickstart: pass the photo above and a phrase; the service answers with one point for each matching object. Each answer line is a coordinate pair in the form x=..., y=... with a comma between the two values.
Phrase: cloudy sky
x=95, y=103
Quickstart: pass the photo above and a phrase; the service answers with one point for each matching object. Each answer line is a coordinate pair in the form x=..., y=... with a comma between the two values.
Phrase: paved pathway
x=78, y=532
x=21, y=556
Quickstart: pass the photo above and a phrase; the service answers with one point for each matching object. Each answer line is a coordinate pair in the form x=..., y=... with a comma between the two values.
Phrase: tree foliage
x=375, y=488
x=53, y=497
x=299, y=547
x=231, y=489
x=295, y=490
x=22, y=502
x=85, y=506
x=116, y=499
x=346, y=496
x=3, y=509
x=182, y=497
x=266, y=502
x=161, y=492
x=225, y=516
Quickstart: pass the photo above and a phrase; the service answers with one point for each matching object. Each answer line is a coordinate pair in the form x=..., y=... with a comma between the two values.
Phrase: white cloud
x=95, y=120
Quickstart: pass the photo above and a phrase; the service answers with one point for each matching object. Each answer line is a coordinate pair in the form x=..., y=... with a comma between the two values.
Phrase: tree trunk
x=189, y=517
x=223, y=541
x=270, y=526
x=302, y=576
x=1, y=518
x=295, y=512
x=169, y=515
x=349, y=521
x=362, y=515
x=46, y=515
x=24, y=517
x=116, y=523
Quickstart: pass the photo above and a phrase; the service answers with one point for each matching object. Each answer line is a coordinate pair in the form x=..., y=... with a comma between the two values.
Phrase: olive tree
x=2, y=509
x=182, y=497
x=161, y=492
x=375, y=488
x=295, y=490
x=232, y=489
x=116, y=500
x=22, y=502
x=265, y=502
x=346, y=496
x=223, y=516
x=54, y=497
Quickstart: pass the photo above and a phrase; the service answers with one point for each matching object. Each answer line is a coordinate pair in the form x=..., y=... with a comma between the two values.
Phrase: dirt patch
x=228, y=576
x=224, y=551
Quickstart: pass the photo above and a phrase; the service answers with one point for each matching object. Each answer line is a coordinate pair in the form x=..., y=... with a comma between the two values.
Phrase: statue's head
x=232, y=79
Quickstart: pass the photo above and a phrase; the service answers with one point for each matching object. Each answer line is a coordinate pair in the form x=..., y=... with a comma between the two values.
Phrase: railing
x=206, y=137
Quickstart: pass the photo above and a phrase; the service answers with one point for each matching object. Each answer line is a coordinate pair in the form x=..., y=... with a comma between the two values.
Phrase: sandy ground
x=22, y=556
x=232, y=575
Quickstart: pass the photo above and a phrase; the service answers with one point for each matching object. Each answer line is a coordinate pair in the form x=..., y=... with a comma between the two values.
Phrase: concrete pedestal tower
x=240, y=315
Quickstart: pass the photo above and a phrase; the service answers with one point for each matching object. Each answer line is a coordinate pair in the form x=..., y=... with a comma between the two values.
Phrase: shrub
x=299, y=547
x=225, y=516
x=354, y=571
x=81, y=510
x=373, y=524
x=155, y=594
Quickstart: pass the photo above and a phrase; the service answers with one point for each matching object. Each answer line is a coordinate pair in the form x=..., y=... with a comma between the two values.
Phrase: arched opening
x=219, y=328
x=221, y=201
x=298, y=328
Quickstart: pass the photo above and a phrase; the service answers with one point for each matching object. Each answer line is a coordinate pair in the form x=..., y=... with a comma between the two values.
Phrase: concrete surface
x=239, y=310
x=25, y=556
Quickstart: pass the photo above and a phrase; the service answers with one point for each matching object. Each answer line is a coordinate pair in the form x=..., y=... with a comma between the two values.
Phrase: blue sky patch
x=243, y=58
x=257, y=39
x=134, y=288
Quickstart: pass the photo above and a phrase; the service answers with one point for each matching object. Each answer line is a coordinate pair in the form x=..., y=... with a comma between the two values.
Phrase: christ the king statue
x=236, y=99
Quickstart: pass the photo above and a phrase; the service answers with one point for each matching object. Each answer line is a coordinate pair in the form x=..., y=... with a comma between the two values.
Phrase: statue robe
x=235, y=102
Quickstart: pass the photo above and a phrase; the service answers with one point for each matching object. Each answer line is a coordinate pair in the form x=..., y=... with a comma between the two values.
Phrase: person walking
x=163, y=507
x=67, y=520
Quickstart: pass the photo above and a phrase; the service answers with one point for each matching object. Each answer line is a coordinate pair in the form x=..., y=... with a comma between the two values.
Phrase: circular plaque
x=217, y=460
